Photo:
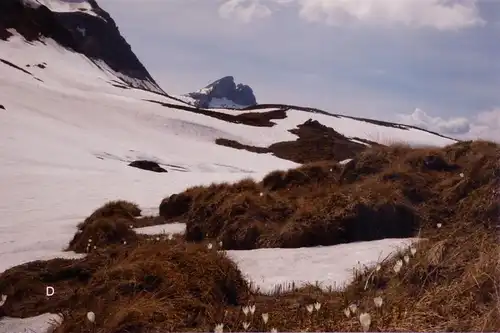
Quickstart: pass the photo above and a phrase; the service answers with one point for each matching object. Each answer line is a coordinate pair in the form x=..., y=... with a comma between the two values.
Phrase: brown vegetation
x=155, y=284
x=259, y=119
x=111, y=224
x=450, y=284
x=315, y=142
x=383, y=192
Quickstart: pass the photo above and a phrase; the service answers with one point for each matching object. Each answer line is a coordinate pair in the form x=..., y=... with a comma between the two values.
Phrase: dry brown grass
x=450, y=284
x=111, y=224
x=315, y=142
x=154, y=284
x=383, y=192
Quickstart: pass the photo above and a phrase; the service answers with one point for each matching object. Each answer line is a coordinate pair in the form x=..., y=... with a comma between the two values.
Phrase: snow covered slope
x=63, y=6
x=67, y=135
x=81, y=26
x=68, y=131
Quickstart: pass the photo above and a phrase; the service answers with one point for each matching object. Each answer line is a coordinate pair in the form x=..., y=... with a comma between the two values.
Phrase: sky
x=430, y=63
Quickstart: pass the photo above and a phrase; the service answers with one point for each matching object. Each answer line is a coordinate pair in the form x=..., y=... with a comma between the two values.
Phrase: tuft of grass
x=111, y=224
x=383, y=192
x=167, y=285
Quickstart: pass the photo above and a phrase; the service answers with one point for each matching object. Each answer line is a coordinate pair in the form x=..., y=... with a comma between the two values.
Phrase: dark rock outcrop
x=147, y=165
x=95, y=36
x=225, y=88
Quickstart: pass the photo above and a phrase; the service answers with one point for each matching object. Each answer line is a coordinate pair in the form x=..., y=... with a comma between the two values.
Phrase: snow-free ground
x=67, y=135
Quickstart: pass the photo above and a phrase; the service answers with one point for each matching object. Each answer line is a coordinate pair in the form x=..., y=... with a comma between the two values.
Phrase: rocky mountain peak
x=224, y=93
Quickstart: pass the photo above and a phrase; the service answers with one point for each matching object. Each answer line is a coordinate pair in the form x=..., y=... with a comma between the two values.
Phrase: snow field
x=65, y=143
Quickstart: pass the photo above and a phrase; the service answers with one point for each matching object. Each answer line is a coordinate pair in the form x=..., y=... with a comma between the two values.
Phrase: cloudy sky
x=431, y=63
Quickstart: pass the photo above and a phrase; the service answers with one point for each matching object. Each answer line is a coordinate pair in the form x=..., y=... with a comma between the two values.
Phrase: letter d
x=49, y=291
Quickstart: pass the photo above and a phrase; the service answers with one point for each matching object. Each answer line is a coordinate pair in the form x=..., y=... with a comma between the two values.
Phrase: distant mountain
x=223, y=93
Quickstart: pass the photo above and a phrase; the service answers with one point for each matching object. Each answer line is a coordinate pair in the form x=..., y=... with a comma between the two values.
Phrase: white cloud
x=485, y=125
x=244, y=10
x=437, y=14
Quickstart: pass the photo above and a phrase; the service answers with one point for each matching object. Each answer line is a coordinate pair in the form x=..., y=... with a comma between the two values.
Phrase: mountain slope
x=81, y=26
x=73, y=117
x=83, y=123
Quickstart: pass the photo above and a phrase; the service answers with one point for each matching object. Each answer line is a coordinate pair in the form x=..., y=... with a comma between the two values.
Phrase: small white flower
x=246, y=325
x=378, y=301
x=378, y=267
x=90, y=240
x=310, y=308
x=265, y=317
x=91, y=316
x=353, y=307
x=219, y=328
x=3, y=300
x=406, y=258
x=131, y=226
x=245, y=310
x=347, y=312
x=157, y=238
x=439, y=225
x=95, y=247
x=398, y=265
x=220, y=244
x=124, y=242
x=273, y=330
x=209, y=246
x=261, y=194
x=462, y=175
x=413, y=250
x=252, y=309
x=365, y=320
x=317, y=306
x=170, y=236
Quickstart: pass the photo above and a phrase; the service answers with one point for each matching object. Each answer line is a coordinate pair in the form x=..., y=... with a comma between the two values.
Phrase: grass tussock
x=122, y=208
x=166, y=284
x=111, y=224
x=383, y=192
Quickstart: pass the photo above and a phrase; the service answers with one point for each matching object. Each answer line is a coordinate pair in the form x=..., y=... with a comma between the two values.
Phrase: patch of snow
x=329, y=266
x=64, y=6
x=360, y=142
x=345, y=161
x=169, y=228
x=221, y=103
x=186, y=99
x=44, y=323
